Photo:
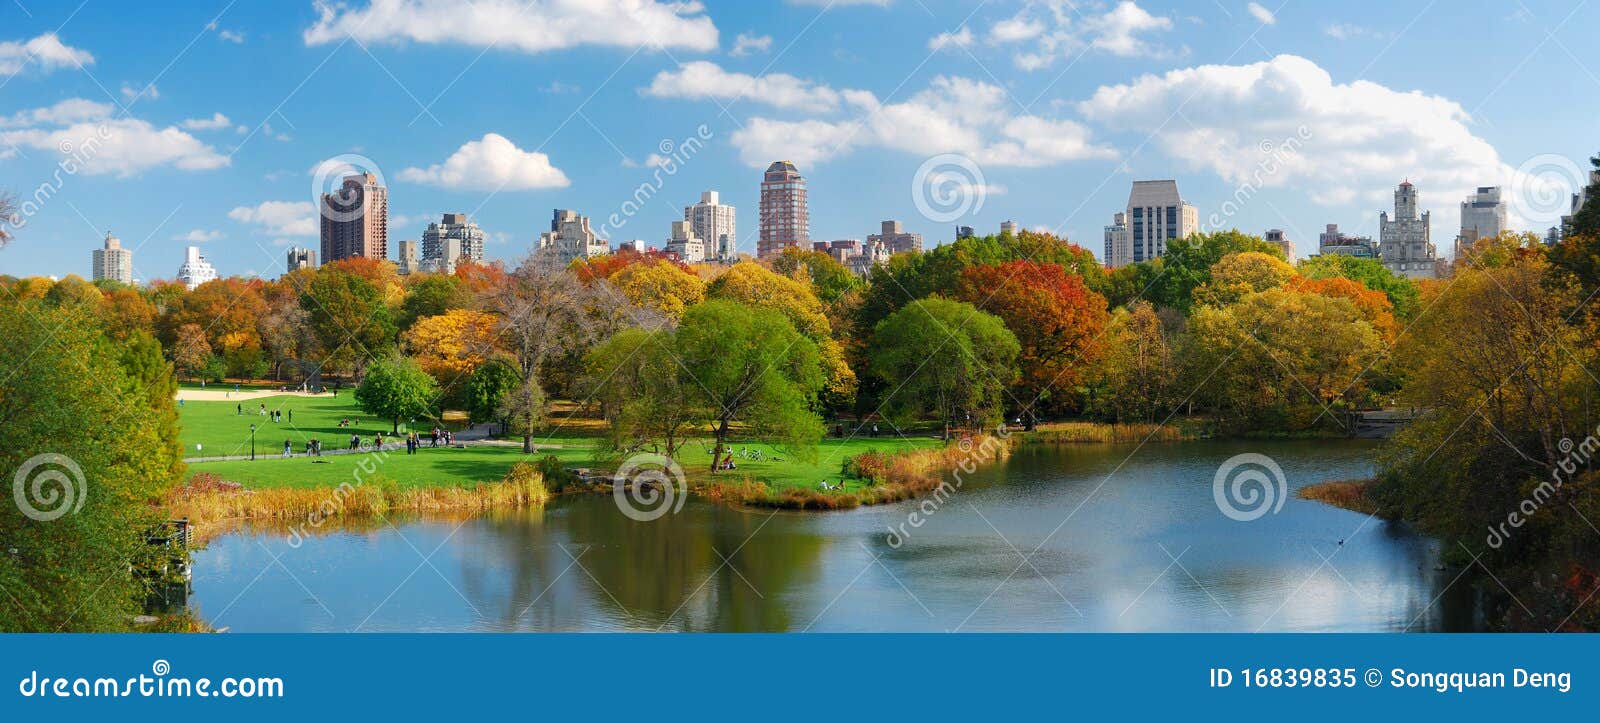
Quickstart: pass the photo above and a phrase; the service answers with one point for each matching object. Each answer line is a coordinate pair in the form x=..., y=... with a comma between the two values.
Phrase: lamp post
x=252, y=443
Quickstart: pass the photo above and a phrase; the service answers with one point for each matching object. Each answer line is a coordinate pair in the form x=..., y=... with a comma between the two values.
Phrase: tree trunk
x=716, y=451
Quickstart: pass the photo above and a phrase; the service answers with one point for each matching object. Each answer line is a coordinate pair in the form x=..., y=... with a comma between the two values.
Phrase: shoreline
x=1354, y=495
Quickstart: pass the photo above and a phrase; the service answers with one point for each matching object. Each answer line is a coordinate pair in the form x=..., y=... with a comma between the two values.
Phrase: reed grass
x=1107, y=433
x=1350, y=494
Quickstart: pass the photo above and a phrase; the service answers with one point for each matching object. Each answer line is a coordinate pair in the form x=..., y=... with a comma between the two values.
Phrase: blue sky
x=207, y=121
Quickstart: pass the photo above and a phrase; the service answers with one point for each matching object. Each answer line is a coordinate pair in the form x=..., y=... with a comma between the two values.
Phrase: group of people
x=276, y=415
x=313, y=448
x=414, y=439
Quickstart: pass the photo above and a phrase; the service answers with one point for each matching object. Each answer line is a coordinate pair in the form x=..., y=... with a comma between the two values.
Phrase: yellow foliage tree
x=451, y=344
x=1239, y=274
x=660, y=287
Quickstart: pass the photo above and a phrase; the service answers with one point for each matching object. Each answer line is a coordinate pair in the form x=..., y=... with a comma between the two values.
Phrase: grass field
x=427, y=468
x=222, y=431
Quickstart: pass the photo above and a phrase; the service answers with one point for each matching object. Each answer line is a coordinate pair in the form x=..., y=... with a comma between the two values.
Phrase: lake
x=1088, y=538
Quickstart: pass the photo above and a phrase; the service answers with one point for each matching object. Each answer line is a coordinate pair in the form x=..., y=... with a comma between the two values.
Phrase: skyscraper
x=714, y=224
x=448, y=242
x=111, y=261
x=407, y=259
x=1483, y=215
x=785, y=222
x=896, y=240
x=1404, y=242
x=569, y=238
x=1155, y=216
x=688, y=246
x=195, y=269
x=355, y=221
x=299, y=258
x=1276, y=237
x=1119, y=247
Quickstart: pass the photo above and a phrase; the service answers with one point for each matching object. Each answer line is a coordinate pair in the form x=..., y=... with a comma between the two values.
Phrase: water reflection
x=1070, y=539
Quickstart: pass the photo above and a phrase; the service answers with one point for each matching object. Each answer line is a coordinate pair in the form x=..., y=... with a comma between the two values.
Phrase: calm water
x=1125, y=543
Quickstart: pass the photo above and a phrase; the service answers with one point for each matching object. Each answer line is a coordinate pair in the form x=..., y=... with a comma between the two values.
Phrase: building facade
x=1483, y=215
x=1336, y=242
x=299, y=258
x=896, y=239
x=1404, y=241
x=195, y=269
x=448, y=242
x=1155, y=216
x=407, y=260
x=683, y=243
x=569, y=238
x=111, y=261
x=1276, y=237
x=355, y=221
x=1118, y=245
x=714, y=224
x=785, y=220
x=1008, y=227
x=964, y=232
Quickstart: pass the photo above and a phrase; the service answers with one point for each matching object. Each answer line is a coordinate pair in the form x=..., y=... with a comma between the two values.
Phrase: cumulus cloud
x=133, y=93
x=198, y=236
x=64, y=112
x=952, y=115
x=123, y=146
x=1046, y=31
x=1262, y=14
x=217, y=121
x=45, y=52
x=1359, y=139
x=533, y=26
x=747, y=44
x=491, y=163
x=280, y=218
x=701, y=79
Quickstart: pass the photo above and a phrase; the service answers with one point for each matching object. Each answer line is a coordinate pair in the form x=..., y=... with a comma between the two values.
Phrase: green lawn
x=427, y=468
x=222, y=431
x=792, y=471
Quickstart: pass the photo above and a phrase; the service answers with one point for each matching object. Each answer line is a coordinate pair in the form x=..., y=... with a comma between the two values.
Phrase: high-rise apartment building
x=1156, y=215
x=896, y=240
x=1008, y=227
x=1337, y=243
x=964, y=232
x=407, y=259
x=1276, y=237
x=111, y=261
x=355, y=221
x=714, y=224
x=684, y=243
x=785, y=222
x=195, y=269
x=448, y=242
x=299, y=258
x=569, y=238
x=1483, y=215
x=1404, y=241
x=1118, y=244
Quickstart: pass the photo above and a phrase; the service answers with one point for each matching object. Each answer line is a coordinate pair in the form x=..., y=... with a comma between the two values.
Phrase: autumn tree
x=827, y=276
x=749, y=366
x=396, y=388
x=191, y=352
x=1240, y=274
x=450, y=345
x=662, y=287
x=430, y=295
x=1371, y=273
x=944, y=359
x=1134, y=379
x=1188, y=261
x=349, y=315
x=755, y=285
x=645, y=392
x=1057, y=321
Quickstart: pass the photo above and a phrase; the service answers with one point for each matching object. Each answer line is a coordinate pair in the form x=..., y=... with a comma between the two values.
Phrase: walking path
x=220, y=394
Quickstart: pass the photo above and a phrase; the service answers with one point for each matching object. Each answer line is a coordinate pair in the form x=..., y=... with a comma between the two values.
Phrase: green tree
x=487, y=389
x=349, y=317
x=947, y=359
x=397, y=388
x=1187, y=264
x=830, y=278
x=1586, y=221
x=750, y=366
x=430, y=295
x=645, y=394
x=88, y=432
x=1135, y=377
x=1371, y=273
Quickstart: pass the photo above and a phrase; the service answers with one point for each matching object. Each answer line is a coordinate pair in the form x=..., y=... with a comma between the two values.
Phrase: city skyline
x=196, y=158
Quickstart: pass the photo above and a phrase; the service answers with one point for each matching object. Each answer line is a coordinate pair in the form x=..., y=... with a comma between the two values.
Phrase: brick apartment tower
x=355, y=221
x=784, y=219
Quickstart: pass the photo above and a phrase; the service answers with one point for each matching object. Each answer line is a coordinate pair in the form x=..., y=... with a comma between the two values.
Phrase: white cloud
x=702, y=79
x=133, y=93
x=1046, y=31
x=217, y=121
x=1357, y=140
x=199, y=236
x=280, y=218
x=64, y=112
x=1347, y=31
x=533, y=26
x=231, y=36
x=491, y=163
x=1260, y=13
x=746, y=44
x=45, y=51
x=125, y=146
x=959, y=39
x=953, y=115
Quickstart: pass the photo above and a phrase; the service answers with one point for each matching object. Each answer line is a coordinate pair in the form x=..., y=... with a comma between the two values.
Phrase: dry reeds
x=1105, y=433
x=1350, y=494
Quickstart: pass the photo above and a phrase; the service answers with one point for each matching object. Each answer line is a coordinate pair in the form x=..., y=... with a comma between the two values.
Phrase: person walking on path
x=239, y=409
x=288, y=449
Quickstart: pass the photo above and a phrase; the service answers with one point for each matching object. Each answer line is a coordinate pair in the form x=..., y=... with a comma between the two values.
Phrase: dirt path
x=244, y=395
